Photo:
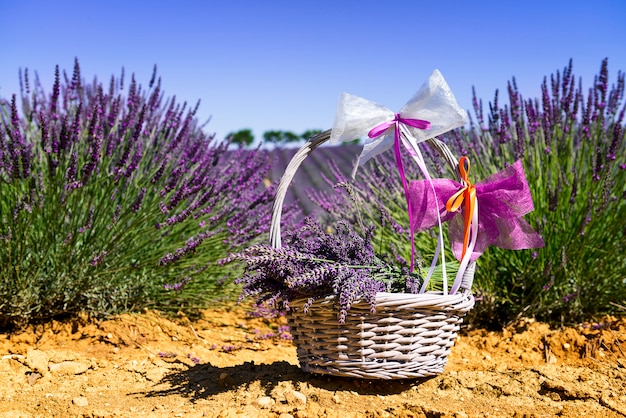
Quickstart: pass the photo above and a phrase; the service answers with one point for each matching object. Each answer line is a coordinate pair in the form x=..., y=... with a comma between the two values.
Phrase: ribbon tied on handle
x=396, y=121
x=357, y=117
x=466, y=195
x=396, y=124
x=504, y=198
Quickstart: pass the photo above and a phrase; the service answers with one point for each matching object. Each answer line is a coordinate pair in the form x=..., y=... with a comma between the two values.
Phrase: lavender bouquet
x=315, y=263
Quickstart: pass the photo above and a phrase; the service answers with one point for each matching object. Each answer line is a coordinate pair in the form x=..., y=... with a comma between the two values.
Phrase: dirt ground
x=229, y=364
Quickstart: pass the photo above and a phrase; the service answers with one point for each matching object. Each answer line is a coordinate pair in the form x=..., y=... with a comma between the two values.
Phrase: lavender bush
x=109, y=200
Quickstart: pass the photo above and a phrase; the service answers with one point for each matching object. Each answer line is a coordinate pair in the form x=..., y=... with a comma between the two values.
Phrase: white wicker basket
x=409, y=335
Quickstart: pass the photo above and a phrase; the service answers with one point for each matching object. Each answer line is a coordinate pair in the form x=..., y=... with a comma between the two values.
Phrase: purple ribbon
x=503, y=199
x=379, y=130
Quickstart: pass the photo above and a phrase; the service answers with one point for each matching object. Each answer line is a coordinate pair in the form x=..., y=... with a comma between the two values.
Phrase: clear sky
x=281, y=65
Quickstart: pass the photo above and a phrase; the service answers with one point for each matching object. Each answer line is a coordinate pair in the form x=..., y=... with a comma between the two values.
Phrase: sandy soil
x=231, y=365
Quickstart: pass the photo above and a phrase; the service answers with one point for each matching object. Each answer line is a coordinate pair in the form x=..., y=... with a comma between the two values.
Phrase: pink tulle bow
x=503, y=199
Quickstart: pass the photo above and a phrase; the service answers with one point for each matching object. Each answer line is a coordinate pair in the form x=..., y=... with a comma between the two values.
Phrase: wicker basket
x=409, y=335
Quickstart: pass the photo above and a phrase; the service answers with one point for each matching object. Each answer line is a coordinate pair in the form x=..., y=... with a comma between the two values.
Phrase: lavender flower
x=97, y=260
x=139, y=200
x=177, y=286
x=89, y=223
x=70, y=174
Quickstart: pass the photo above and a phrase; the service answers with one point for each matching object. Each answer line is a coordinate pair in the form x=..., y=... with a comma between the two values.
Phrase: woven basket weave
x=409, y=335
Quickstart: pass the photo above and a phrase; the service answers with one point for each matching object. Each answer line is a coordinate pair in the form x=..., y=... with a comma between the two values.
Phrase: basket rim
x=396, y=301
x=393, y=296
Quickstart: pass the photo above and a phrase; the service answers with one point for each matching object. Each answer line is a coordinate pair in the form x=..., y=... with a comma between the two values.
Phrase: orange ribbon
x=466, y=195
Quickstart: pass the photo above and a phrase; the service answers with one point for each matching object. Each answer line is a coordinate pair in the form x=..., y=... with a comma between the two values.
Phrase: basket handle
x=277, y=210
x=314, y=142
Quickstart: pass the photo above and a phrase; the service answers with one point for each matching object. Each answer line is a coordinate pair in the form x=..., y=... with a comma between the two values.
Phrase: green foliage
x=310, y=133
x=288, y=137
x=246, y=138
x=280, y=137
x=243, y=137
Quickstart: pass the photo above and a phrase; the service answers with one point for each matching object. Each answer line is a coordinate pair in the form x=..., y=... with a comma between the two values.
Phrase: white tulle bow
x=434, y=102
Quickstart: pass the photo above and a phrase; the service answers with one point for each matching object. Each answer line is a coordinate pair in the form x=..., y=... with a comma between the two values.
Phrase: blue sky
x=281, y=65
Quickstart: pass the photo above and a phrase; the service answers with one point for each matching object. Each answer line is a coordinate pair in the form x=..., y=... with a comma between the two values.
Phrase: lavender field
x=117, y=211
x=115, y=198
x=315, y=173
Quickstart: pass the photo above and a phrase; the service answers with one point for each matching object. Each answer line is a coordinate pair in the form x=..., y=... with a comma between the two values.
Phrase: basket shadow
x=205, y=380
